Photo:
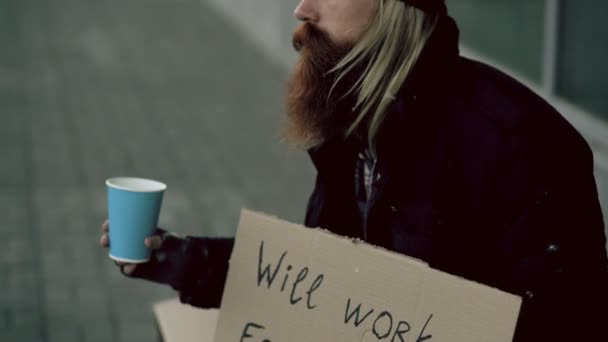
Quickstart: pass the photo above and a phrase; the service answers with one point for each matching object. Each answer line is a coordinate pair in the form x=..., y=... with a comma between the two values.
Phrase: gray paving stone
x=17, y=251
x=19, y=290
x=97, y=330
x=13, y=124
x=64, y=330
x=25, y=319
x=12, y=159
x=101, y=89
x=13, y=210
x=24, y=334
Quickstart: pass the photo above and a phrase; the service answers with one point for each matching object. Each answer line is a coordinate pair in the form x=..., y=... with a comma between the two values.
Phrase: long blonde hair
x=390, y=47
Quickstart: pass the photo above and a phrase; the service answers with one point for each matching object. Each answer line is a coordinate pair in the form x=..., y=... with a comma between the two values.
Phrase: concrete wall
x=270, y=23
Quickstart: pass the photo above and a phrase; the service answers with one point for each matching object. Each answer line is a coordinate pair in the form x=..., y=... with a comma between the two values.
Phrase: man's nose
x=306, y=11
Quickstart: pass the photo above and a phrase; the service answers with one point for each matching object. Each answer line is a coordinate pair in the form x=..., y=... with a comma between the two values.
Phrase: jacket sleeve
x=195, y=267
x=552, y=252
x=205, y=271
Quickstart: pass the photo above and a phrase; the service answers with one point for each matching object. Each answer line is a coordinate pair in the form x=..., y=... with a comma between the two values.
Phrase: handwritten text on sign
x=301, y=290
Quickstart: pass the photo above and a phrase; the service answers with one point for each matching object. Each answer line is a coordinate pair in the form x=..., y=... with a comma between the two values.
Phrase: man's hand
x=153, y=242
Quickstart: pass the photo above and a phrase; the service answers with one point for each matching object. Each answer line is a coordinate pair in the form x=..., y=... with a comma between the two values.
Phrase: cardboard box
x=178, y=322
x=289, y=283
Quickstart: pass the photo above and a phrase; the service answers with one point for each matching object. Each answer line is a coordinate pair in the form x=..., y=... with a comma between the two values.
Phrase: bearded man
x=435, y=156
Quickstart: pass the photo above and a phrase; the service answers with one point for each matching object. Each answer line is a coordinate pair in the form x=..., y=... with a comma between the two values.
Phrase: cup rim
x=155, y=186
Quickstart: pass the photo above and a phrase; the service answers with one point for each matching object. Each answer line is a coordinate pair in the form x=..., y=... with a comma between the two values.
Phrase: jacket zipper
x=369, y=198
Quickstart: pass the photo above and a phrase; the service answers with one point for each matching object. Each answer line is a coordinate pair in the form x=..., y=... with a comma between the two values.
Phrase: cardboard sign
x=179, y=322
x=288, y=283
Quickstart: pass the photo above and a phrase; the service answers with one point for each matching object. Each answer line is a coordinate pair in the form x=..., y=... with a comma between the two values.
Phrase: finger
x=104, y=241
x=105, y=227
x=129, y=268
x=153, y=242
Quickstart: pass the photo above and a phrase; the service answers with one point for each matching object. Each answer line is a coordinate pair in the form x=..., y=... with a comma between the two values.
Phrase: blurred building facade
x=558, y=48
x=553, y=46
x=558, y=45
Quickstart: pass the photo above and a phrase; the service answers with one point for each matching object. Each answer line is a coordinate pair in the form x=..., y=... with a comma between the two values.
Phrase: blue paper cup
x=133, y=210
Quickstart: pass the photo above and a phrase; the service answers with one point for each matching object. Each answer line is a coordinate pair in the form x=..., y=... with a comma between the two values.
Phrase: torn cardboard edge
x=179, y=322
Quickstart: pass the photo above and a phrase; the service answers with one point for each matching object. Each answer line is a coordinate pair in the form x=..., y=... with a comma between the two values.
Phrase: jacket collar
x=435, y=61
x=425, y=83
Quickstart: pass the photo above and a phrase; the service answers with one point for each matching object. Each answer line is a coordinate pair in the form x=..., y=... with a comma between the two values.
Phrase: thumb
x=128, y=269
x=154, y=242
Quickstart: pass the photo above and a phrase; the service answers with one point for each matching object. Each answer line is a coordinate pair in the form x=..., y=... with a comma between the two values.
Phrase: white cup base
x=129, y=261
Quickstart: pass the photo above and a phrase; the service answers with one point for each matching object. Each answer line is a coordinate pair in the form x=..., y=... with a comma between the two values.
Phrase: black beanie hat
x=430, y=6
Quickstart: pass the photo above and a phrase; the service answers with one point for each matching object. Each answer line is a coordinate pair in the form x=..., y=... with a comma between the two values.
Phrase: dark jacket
x=479, y=177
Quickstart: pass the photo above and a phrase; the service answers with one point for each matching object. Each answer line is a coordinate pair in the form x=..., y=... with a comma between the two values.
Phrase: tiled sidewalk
x=94, y=89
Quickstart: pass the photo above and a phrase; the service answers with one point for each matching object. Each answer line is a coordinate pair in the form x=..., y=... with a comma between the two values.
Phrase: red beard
x=315, y=112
